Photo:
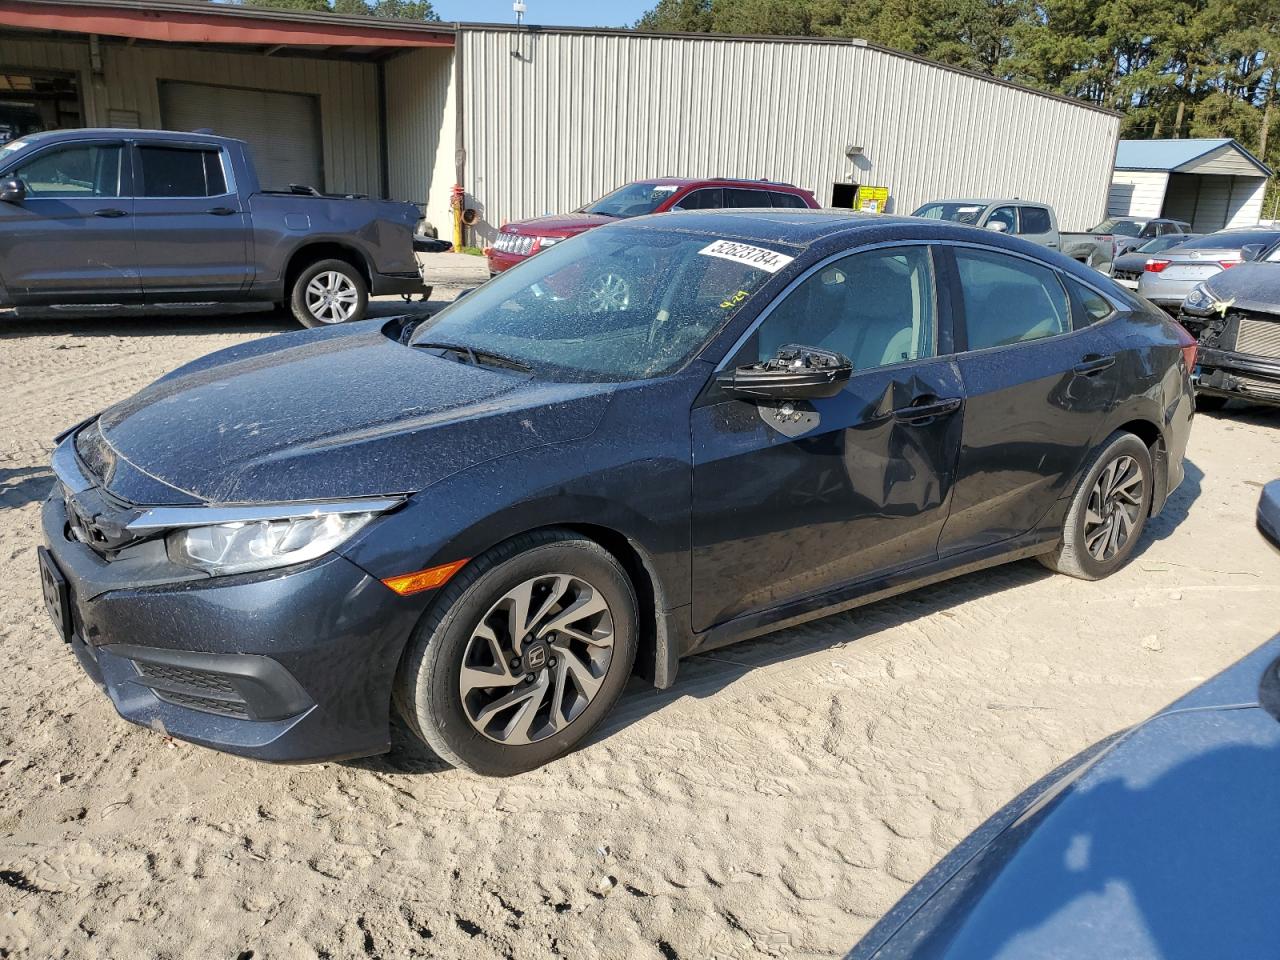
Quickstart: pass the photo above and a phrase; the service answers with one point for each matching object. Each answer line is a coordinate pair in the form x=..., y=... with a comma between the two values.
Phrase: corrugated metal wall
x=131, y=84
x=553, y=120
x=1137, y=193
x=420, y=131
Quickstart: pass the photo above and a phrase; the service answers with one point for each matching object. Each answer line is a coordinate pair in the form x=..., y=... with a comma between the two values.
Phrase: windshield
x=12, y=147
x=633, y=200
x=1119, y=228
x=955, y=212
x=620, y=303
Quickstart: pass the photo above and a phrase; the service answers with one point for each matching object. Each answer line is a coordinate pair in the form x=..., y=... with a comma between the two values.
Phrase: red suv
x=518, y=241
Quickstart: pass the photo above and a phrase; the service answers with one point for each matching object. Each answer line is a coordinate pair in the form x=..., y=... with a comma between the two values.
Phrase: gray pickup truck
x=148, y=217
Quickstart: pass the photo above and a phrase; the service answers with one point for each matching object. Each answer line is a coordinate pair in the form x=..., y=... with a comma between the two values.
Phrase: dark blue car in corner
x=489, y=521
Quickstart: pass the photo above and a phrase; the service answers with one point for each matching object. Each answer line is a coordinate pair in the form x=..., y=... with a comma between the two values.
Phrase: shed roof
x=1176, y=156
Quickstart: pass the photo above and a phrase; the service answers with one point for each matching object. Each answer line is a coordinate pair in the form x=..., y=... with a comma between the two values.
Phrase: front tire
x=522, y=655
x=329, y=292
x=1108, y=513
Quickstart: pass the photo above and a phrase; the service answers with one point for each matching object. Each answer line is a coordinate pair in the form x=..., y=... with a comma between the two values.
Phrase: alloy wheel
x=332, y=297
x=609, y=293
x=1114, y=508
x=536, y=659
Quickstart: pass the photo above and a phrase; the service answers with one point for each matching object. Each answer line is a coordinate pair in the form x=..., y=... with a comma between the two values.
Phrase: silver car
x=1167, y=278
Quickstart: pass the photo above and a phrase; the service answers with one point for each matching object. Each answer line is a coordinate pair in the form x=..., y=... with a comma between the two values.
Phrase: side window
x=876, y=308
x=1088, y=307
x=706, y=199
x=1005, y=215
x=1009, y=300
x=180, y=172
x=736, y=198
x=1149, y=230
x=787, y=201
x=92, y=170
x=1035, y=220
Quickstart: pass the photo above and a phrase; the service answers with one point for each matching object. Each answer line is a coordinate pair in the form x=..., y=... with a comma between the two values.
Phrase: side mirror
x=12, y=191
x=795, y=373
x=1269, y=513
x=1252, y=251
x=999, y=226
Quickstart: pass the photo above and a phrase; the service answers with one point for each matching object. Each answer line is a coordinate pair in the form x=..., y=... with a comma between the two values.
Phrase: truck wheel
x=329, y=292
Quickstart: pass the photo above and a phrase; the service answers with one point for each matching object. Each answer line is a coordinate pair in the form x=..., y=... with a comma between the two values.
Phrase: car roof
x=709, y=181
x=91, y=133
x=799, y=227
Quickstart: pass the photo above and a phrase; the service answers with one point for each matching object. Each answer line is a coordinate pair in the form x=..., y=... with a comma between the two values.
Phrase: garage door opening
x=30, y=103
x=282, y=129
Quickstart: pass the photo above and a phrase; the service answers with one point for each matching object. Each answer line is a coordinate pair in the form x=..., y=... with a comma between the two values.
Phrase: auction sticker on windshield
x=769, y=261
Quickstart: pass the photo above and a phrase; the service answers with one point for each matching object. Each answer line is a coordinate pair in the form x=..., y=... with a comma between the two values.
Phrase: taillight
x=1190, y=346
x=1155, y=266
x=1228, y=264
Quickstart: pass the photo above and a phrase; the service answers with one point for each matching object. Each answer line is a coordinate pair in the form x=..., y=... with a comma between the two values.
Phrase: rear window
x=1118, y=228
x=788, y=201
x=179, y=172
x=1035, y=220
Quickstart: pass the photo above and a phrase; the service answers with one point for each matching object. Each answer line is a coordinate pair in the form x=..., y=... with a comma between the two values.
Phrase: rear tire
x=1108, y=513
x=329, y=292
x=580, y=662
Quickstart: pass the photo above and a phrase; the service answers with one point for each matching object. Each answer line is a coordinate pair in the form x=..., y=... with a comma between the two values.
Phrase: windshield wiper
x=476, y=358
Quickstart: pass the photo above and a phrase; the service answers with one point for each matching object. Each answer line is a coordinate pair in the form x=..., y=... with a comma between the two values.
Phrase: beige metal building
x=540, y=120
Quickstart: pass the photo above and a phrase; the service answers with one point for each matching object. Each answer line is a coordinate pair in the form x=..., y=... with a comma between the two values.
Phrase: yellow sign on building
x=872, y=199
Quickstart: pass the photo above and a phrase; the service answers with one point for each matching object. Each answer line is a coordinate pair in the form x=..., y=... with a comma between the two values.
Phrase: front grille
x=514, y=243
x=227, y=708
x=197, y=689
x=1258, y=337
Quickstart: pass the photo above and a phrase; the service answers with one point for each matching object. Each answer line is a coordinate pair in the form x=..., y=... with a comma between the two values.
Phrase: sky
x=559, y=13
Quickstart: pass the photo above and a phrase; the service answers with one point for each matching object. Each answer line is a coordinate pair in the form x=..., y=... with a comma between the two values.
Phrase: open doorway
x=31, y=102
x=844, y=195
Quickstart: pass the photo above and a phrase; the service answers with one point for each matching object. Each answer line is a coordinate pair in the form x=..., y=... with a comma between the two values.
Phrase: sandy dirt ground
x=774, y=803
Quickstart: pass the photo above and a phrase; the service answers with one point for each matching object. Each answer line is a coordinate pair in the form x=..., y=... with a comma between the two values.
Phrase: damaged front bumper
x=1223, y=373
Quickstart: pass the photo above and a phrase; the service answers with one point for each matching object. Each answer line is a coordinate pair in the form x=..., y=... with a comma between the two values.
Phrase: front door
x=1039, y=376
x=193, y=231
x=70, y=240
x=790, y=500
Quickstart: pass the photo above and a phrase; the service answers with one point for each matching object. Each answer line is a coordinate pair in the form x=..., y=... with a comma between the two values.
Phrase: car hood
x=1159, y=843
x=348, y=412
x=1251, y=286
x=560, y=224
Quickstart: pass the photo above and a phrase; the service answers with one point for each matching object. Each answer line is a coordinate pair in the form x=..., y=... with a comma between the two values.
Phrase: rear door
x=793, y=499
x=192, y=228
x=1040, y=375
x=1036, y=224
x=71, y=239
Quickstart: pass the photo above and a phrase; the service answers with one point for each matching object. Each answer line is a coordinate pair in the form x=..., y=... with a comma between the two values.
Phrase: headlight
x=225, y=540
x=1199, y=299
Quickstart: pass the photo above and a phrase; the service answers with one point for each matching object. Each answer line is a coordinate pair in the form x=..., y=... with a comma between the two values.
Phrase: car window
x=739, y=198
x=1008, y=299
x=88, y=170
x=180, y=172
x=876, y=308
x=787, y=201
x=1231, y=239
x=1035, y=220
x=967, y=213
x=1006, y=216
x=1089, y=305
x=709, y=198
x=610, y=305
x=633, y=200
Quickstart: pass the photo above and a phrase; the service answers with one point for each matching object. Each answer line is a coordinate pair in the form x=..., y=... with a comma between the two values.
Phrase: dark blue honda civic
x=651, y=440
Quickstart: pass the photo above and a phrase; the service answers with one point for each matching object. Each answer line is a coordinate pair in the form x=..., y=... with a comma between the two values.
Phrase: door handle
x=926, y=408
x=1091, y=364
x=220, y=211
x=111, y=212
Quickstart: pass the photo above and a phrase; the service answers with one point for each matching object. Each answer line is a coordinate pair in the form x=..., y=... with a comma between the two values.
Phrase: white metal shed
x=1210, y=183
